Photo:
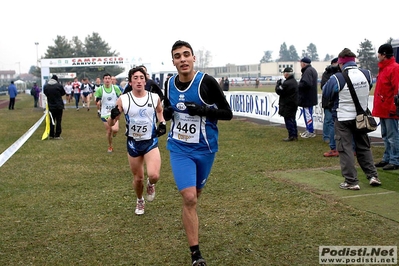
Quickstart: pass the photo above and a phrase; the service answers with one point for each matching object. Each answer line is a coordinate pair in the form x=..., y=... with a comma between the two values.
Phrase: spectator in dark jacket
x=328, y=121
x=12, y=92
x=288, y=102
x=54, y=92
x=226, y=84
x=307, y=95
x=36, y=93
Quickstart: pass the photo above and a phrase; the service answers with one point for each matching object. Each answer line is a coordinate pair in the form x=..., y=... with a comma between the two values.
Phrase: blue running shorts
x=191, y=170
x=139, y=148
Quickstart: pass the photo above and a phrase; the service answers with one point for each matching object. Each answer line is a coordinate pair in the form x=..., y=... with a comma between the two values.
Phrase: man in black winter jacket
x=307, y=95
x=54, y=92
x=288, y=102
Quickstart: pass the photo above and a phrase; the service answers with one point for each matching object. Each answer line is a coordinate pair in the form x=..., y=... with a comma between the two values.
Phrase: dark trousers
x=57, y=117
x=11, y=104
x=345, y=135
x=77, y=97
x=291, y=126
x=36, y=100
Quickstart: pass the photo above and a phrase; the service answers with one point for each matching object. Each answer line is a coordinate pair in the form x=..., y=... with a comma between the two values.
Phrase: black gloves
x=115, y=112
x=196, y=109
x=161, y=130
x=278, y=86
x=192, y=108
x=168, y=113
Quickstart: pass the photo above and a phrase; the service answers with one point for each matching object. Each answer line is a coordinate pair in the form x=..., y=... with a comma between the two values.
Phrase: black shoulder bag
x=365, y=122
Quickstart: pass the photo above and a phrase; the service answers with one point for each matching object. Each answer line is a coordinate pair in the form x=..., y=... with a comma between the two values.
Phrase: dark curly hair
x=134, y=70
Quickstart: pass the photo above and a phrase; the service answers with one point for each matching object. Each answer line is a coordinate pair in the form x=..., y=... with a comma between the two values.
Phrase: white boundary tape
x=18, y=144
x=368, y=195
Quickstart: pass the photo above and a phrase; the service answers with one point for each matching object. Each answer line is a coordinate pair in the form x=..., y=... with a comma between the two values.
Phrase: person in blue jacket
x=12, y=92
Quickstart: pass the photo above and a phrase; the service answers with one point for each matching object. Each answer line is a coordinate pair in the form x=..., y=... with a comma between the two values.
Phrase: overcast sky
x=236, y=32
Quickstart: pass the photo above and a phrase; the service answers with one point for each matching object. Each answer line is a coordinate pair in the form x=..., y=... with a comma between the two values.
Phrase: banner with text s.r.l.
x=264, y=106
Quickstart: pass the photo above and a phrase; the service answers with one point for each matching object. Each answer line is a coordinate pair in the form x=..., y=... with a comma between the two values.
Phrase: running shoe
x=150, y=191
x=374, y=181
x=110, y=149
x=199, y=262
x=304, y=133
x=140, y=207
x=307, y=135
x=348, y=186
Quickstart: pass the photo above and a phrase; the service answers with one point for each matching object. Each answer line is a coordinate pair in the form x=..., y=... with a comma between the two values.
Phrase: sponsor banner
x=264, y=106
x=86, y=61
x=64, y=75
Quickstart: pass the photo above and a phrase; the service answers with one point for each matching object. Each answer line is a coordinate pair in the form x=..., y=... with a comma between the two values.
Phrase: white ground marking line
x=366, y=195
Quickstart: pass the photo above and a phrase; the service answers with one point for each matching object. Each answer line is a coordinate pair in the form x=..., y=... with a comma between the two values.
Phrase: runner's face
x=183, y=60
x=138, y=81
x=107, y=81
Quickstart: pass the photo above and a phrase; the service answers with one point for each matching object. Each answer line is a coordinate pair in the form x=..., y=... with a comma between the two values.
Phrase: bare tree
x=203, y=59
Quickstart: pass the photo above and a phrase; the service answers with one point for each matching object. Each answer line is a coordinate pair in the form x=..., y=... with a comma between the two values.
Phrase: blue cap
x=306, y=60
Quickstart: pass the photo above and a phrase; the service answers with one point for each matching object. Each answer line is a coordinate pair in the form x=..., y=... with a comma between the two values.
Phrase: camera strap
x=359, y=109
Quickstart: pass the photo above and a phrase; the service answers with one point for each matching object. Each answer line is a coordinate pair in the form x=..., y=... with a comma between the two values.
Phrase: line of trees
x=366, y=55
x=95, y=46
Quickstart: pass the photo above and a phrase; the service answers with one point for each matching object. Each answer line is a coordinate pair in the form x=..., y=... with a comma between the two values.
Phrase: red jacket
x=387, y=86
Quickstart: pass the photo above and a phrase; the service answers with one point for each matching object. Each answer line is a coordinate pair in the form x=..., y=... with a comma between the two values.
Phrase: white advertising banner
x=264, y=106
x=64, y=75
x=87, y=61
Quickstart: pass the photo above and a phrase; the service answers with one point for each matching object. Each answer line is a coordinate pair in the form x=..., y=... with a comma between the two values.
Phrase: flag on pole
x=46, y=132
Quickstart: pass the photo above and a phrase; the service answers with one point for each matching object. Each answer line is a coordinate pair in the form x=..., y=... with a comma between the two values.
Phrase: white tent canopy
x=122, y=75
x=21, y=85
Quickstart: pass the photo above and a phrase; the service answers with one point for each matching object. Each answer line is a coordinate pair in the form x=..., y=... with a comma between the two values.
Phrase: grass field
x=267, y=202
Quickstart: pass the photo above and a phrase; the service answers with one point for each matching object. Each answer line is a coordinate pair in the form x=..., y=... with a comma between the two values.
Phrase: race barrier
x=264, y=106
x=18, y=144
